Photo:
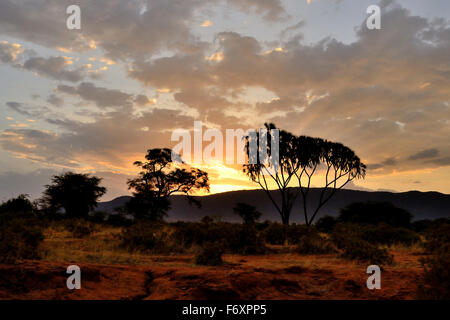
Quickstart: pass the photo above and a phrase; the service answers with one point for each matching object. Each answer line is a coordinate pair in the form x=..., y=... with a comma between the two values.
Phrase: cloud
x=424, y=154
x=55, y=100
x=9, y=51
x=271, y=10
x=366, y=94
x=56, y=68
x=31, y=183
x=102, y=97
x=18, y=107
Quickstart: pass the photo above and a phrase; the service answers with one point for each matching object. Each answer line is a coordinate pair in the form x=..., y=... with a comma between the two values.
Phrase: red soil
x=277, y=276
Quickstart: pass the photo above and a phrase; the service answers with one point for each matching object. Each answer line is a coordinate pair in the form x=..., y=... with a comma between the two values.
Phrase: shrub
x=118, y=220
x=388, y=235
x=245, y=240
x=21, y=205
x=274, y=233
x=153, y=237
x=437, y=237
x=380, y=234
x=357, y=249
x=210, y=254
x=140, y=236
x=98, y=216
x=314, y=244
x=435, y=284
x=297, y=231
x=79, y=228
x=375, y=213
x=20, y=238
x=326, y=224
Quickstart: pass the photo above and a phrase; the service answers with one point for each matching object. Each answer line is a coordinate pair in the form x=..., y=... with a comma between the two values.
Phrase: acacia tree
x=341, y=165
x=158, y=180
x=261, y=168
x=76, y=193
x=301, y=157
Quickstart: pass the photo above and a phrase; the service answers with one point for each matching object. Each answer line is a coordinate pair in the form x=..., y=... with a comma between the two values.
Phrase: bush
x=326, y=224
x=388, y=235
x=118, y=220
x=210, y=254
x=375, y=213
x=20, y=238
x=140, y=236
x=245, y=240
x=435, y=284
x=315, y=244
x=437, y=237
x=297, y=231
x=274, y=233
x=153, y=237
x=381, y=234
x=357, y=249
x=79, y=228
x=21, y=205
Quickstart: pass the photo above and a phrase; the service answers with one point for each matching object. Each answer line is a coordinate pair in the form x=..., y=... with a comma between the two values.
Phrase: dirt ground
x=276, y=276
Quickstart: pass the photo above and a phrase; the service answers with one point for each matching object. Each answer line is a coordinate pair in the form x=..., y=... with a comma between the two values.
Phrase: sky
x=94, y=100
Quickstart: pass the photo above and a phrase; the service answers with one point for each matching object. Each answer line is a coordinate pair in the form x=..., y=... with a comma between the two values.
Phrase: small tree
x=280, y=173
x=341, y=165
x=158, y=180
x=76, y=193
x=247, y=212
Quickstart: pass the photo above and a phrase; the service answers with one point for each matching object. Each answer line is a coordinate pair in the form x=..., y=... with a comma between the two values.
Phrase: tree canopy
x=159, y=178
x=76, y=193
x=300, y=157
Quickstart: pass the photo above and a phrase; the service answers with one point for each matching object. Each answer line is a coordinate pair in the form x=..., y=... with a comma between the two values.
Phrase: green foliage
x=210, y=254
x=76, y=193
x=374, y=213
x=314, y=244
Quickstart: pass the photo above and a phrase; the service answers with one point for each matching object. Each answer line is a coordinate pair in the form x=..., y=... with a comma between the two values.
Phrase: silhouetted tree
x=247, y=212
x=300, y=156
x=159, y=178
x=262, y=170
x=341, y=165
x=76, y=193
x=19, y=205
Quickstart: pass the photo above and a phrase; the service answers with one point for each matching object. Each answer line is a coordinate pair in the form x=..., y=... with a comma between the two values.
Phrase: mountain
x=423, y=205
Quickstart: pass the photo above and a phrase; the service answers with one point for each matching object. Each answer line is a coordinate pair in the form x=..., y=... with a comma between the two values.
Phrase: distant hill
x=423, y=205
